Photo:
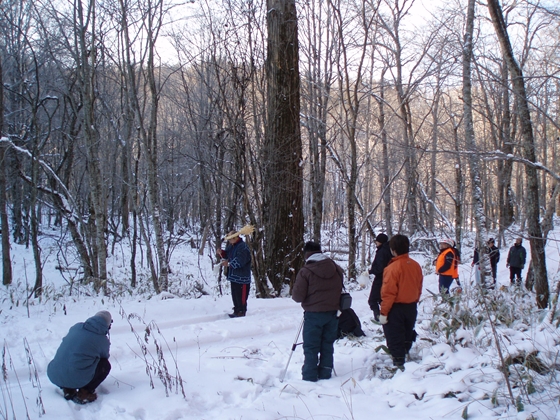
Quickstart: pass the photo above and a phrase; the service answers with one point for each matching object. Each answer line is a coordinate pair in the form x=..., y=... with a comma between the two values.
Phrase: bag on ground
x=349, y=324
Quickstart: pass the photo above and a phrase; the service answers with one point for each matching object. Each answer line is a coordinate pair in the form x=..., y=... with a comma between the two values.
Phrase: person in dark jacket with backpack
x=317, y=287
x=516, y=261
x=81, y=362
x=382, y=257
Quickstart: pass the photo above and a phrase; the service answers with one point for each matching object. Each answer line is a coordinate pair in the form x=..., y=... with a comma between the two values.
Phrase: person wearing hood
x=382, y=257
x=317, y=287
x=81, y=362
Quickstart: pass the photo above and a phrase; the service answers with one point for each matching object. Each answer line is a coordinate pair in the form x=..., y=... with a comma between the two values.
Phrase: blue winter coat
x=76, y=359
x=239, y=262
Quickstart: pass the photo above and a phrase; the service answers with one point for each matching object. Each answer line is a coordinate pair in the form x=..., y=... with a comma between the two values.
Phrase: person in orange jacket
x=447, y=264
x=400, y=293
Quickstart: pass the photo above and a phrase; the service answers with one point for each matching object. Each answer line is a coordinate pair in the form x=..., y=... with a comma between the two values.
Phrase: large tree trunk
x=538, y=257
x=283, y=195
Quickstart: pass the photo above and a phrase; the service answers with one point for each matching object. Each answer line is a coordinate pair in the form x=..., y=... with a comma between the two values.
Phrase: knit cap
x=382, y=238
x=106, y=315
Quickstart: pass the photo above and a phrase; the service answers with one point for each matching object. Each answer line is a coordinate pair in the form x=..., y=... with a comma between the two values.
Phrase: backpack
x=349, y=324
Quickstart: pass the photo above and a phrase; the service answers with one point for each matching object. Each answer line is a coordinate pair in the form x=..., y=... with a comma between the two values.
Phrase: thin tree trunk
x=385, y=173
x=87, y=52
x=477, y=195
x=538, y=256
x=6, y=258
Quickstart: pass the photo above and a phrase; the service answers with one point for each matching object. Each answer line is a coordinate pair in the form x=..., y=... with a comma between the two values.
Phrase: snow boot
x=84, y=396
x=69, y=393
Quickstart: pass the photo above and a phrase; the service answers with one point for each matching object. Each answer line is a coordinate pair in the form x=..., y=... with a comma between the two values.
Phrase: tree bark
x=283, y=195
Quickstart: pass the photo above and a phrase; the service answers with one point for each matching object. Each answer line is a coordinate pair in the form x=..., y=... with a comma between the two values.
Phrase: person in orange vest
x=447, y=264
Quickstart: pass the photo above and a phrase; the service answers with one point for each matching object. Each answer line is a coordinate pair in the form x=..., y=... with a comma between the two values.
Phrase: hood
x=322, y=268
x=96, y=324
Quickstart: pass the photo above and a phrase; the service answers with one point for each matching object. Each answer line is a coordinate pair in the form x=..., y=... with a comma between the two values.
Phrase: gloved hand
x=382, y=319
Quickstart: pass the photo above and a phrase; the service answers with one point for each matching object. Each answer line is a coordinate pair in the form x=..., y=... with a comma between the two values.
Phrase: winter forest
x=405, y=124
x=158, y=125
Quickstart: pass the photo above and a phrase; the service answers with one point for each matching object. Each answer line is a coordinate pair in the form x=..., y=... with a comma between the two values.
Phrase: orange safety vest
x=454, y=270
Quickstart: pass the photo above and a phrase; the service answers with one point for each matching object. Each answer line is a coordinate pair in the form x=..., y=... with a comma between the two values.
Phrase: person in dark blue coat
x=381, y=260
x=81, y=362
x=237, y=259
x=516, y=261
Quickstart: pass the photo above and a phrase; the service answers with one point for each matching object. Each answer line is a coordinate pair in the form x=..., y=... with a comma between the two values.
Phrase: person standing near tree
x=81, y=362
x=236, y=258
x=516, y=258
x=492, y=253
x=382, y=257
x=317, y=287
x=400, y=293
x=447, y=264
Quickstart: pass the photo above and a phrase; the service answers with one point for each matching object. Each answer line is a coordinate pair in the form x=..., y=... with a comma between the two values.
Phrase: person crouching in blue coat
x=81, y=362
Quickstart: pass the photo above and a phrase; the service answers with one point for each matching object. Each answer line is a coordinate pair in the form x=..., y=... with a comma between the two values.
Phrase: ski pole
x=293, y=349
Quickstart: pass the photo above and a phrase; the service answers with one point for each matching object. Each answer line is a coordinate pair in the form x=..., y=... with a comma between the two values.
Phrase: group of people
x=516, y=258
x=396, y=290
x=81, y=362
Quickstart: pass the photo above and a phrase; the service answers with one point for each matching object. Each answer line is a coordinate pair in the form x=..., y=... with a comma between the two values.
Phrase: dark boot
x=69, y=393
x=84, y=396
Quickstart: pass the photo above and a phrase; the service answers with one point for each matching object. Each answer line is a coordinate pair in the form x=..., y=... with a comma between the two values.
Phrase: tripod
x=282, y=376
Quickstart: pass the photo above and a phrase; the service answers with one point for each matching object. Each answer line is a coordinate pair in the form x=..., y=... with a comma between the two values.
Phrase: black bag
x=345, y=301
x=349, y=324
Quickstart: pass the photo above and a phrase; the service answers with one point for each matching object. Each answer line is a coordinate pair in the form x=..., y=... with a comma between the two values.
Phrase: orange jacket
x=447, y=264
x=402, y=283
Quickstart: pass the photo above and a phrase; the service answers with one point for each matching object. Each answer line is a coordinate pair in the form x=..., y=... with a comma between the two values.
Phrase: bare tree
x=470, y=140
x=532, y=206
x=6, y=259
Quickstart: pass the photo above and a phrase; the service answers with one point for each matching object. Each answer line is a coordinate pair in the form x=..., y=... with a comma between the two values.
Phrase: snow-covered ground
x=230, y=368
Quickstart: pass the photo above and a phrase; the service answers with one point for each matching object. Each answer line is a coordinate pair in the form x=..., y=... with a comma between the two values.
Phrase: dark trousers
x=239, y=295
x=375, y=295
x=319, y=334
x=399, y=330
x=494, y=271
x=445, y=283
x=515, y=275
x=101, y=372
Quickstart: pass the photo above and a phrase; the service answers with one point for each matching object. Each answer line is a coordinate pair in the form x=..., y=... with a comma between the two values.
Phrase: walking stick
x=292, y=352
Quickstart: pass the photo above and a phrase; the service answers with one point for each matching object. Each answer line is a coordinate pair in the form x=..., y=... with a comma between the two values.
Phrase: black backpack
x=349, y=324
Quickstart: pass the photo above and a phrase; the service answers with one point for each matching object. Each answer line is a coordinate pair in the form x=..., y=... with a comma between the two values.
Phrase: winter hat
x=245, y=230
x=382, y=238
x=447, y=241
x=311, y=247
x=232, y=234
x=106, y=315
